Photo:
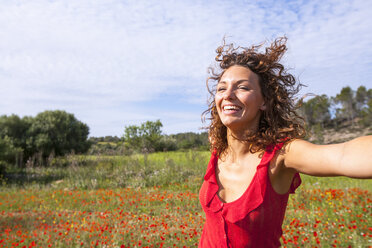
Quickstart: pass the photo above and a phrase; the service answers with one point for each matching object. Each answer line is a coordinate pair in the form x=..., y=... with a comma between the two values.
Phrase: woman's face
x=239, y=100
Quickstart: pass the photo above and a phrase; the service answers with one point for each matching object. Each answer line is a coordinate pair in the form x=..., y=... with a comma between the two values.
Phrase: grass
x=152, y=201
x=101, y=172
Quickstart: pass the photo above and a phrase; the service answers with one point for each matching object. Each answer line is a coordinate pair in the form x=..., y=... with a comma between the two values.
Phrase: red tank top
x=253, y=220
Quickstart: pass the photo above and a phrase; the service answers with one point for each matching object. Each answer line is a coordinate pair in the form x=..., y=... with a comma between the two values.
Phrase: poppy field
x=152, y=201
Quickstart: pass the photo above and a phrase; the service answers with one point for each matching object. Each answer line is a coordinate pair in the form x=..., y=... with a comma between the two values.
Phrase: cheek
x=217, y=100
x=217, y=97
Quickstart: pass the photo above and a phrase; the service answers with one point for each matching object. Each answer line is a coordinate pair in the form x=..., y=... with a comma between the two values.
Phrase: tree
x=49, y=132
x=9, y=152
x=366, y=114
x=110, y=138
x=57, y=132
x=191, y=140
x=13, y=136
x=132, y=137
x=346, y=99
x=361, y=99
x=316, y=110
x=145, y=137
x=16, y=128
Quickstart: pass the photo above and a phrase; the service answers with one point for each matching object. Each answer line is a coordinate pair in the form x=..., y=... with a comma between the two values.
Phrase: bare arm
x=351, y=159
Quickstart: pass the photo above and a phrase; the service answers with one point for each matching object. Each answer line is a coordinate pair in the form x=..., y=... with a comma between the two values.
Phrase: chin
x=228, y=123
x=232, y=125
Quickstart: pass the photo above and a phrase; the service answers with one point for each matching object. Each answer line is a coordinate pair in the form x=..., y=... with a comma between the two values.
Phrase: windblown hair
x=279, y=122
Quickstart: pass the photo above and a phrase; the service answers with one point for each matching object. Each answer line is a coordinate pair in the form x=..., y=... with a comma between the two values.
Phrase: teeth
x=231, y=107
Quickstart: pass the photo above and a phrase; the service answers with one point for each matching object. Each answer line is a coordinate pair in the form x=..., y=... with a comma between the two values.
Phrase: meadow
x=151, y=200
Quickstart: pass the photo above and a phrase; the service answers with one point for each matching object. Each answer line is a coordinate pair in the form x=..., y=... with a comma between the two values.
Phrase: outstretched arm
x=351, y=159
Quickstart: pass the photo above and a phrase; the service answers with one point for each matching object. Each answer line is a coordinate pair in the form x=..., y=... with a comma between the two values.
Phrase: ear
x=263, y=107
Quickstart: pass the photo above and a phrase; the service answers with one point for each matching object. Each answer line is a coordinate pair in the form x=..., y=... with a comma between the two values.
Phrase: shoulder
x=295, y=146
x=289, y=149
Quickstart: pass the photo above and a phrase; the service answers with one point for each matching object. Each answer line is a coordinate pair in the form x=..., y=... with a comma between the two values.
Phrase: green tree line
x=148, y=137
x=348, y=107
x=49, y=133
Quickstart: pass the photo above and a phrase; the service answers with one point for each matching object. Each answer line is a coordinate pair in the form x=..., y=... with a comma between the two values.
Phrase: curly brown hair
x=279, y=121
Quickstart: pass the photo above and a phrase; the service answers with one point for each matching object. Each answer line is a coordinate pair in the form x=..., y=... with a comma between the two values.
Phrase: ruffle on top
x=254, y=195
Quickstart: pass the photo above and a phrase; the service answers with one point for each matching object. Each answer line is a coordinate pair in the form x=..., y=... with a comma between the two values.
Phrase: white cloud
x=106, y=60
x=331, y=46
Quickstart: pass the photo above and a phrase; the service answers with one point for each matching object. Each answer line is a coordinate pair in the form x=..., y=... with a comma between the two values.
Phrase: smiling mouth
x=231, y=108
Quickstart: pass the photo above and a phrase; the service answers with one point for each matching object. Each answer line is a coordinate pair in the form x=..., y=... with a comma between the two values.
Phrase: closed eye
x=244, y=87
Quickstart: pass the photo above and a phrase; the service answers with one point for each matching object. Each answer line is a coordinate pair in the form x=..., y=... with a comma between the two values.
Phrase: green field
x=152, y=201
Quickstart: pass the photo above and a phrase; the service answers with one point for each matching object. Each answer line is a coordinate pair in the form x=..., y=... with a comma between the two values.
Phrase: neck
x=237, y=147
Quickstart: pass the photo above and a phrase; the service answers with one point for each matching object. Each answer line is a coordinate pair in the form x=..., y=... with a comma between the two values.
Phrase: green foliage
x=139, y=170
x=109, y=138
x=316, y=110
x=347, y=100
x=92, y=172
x=366, y=114
x=50, y=132
x=146, y=137
x=361, y=98
x=58, y=132
x=8, y=151
x=191, y=140
x=168, y=143
x=345, y=109
x=135, y=142
x=15, y=128
x=364, y=105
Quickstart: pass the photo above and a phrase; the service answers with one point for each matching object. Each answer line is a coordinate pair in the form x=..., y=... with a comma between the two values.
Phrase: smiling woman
x=266, y=75
x=258, y=151
x=239, y=99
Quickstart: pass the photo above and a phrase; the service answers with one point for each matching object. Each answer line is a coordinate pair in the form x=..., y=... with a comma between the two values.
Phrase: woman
x=257, y=150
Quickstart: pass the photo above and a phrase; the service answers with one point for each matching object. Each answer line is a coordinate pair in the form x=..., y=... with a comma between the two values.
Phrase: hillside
x=342, y=134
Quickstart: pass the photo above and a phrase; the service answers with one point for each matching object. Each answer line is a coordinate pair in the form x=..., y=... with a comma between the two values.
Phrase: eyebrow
x=238, y=82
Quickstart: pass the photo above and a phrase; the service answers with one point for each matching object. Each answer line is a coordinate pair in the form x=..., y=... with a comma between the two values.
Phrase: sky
x=114, y=63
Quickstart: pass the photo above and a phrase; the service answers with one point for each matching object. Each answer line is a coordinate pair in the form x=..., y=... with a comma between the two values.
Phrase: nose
x=229, y=93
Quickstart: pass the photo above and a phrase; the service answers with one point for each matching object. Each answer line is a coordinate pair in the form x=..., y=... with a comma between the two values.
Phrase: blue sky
x=114, y=63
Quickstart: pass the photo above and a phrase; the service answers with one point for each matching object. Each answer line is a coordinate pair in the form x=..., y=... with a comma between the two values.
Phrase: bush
x=8, y=152
x=50, y=132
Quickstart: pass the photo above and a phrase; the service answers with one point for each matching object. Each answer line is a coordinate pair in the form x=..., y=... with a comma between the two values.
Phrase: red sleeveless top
x=253, y=220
